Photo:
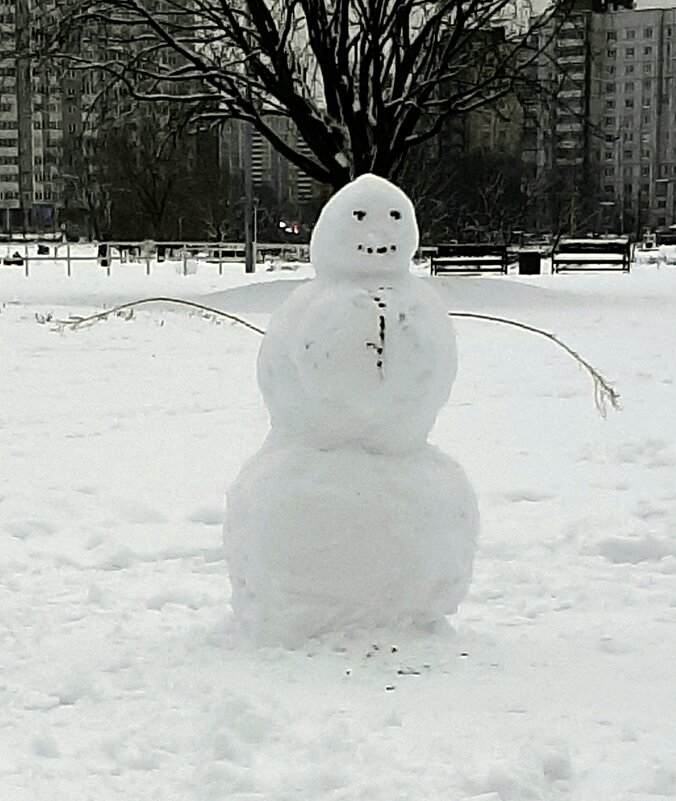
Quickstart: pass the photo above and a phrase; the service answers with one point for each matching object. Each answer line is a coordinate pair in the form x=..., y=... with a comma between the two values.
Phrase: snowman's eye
x=359, y=214
x=396, y=215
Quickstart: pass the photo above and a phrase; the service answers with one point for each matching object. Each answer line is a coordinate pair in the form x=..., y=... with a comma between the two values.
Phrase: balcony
x=571, y=59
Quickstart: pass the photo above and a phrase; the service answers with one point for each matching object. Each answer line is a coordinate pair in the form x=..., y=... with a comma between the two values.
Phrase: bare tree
x=468, y=194
x=363, y=81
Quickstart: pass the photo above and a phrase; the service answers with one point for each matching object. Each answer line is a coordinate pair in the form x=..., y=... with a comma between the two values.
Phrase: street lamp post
x=249, y=238
x=610, y=204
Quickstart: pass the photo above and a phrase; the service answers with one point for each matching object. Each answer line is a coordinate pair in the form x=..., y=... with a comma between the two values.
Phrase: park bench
x=665, y=237
x=468, y=259
x=283, y=252
x=591, y=255
x=233, y=253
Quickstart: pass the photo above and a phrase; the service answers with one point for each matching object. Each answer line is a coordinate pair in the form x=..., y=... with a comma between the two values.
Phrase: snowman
x=347, y=518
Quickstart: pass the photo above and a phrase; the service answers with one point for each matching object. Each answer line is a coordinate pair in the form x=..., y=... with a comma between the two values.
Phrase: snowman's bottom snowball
x=321, y=541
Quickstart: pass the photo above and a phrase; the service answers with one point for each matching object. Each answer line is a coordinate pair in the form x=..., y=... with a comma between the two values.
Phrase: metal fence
x=108, y=254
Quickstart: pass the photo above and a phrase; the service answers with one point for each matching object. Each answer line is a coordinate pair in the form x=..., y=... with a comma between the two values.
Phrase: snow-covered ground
x=119, y=675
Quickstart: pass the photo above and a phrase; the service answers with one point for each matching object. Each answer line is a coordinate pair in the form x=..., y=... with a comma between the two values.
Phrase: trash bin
x=529, y=262
x=102, y=255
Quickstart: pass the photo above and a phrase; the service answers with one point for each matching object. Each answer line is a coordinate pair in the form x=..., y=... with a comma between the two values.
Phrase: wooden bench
x=665, y=237
x=468, y=259
x=227, y=253
x=591, y=254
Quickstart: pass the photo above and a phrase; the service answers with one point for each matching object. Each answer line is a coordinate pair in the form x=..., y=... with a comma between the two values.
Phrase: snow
x=120, y=677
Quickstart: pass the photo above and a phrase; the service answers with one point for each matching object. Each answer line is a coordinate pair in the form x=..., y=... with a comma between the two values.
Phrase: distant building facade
x=608, y=145
x=278, y=183
x=604, y=157
x=31, y=125
x=634, y=68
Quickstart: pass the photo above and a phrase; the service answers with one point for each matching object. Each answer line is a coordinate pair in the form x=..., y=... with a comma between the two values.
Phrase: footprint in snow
x=528, y=496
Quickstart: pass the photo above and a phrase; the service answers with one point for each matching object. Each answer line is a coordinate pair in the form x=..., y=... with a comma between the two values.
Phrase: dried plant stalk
x=604, y=392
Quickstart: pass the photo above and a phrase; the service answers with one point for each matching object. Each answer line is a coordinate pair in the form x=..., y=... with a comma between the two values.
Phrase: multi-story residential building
x=31, y=125
x=47, y=130
x=607, y=144
x=556, y=135
x=633, y=70
x=496, y=128
x=280, y=182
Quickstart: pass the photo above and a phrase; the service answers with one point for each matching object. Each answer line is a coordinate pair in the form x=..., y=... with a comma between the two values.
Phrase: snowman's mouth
x=379, y=251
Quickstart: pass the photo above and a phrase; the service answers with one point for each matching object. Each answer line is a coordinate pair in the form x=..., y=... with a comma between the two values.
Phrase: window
x=645, y=119
x=661, y=204
x=645, y=154
x=647, y=51
x=609, y=170
x=647, y=69
x=611, y=53
x=610, y=87
x=608, y=121
x=629, y=102
x=629, y=69
x=628, y=136
x=610, y=104
x=629, y=86
x=608, y=155
x=631, y=34
x=608, y=189
x=627, y=154
x=648, y=33
x=629, y=52
x=611, y=35
x=646, y=101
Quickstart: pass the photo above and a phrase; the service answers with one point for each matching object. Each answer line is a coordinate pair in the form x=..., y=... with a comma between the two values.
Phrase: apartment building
x=556, y=135
x=31, y=125
x=275, y=179
x=607, y=145
x=633, y=71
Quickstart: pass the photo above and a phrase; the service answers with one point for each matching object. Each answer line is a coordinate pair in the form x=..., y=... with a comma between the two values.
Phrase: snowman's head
x=367, y=227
